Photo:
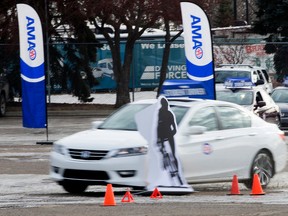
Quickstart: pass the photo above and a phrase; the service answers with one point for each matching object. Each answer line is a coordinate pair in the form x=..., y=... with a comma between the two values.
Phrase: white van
x=104, y=68
x=258, y=75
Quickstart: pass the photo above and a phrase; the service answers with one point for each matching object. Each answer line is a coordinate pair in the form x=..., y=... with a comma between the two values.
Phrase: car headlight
x=125, y=152
x=59, y=149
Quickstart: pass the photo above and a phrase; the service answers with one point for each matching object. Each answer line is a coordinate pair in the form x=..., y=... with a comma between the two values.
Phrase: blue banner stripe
x=32, y=72
x=210, y=89
x=34, y=106
x=204, y=73
x=199, y=71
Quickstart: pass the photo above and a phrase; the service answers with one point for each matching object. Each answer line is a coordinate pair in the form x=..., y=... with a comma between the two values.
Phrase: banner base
x=45, y=143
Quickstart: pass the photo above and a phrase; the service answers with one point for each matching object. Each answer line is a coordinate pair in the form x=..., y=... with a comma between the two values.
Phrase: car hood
x=283, y=106
x=100, y=139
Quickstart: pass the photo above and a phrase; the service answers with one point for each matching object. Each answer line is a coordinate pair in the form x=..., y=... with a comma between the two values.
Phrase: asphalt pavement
x=25, y=187
x=62, y=119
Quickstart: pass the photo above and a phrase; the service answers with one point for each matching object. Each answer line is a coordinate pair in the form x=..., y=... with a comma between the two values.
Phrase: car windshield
x=123, y=119
x=238, y=97
x=280, y=96
x=221, y=76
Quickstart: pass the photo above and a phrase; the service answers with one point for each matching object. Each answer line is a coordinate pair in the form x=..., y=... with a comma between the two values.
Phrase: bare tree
x=229, y=54
x=170, y=14
x=136, y=16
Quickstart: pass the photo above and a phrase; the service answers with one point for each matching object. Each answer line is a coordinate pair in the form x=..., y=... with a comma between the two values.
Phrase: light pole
x=47, y=54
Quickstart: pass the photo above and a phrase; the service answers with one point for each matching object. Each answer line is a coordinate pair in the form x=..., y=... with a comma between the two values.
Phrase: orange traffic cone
x=127, y=197
x=235, y=187
x=256, y=186
x=109, y=199
x=156, y=194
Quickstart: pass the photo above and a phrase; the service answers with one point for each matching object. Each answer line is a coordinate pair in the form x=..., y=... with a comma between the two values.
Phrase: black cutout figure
x=166, y=131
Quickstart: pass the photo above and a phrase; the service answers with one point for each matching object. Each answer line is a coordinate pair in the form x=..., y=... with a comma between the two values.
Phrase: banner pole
x=47, y=73
x=47, y=54
x=48, y=77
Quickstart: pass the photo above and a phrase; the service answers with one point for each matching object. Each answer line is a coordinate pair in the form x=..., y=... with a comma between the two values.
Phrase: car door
x=265, y=83
x=269, y=112
x=267, y=80
x=220, y=152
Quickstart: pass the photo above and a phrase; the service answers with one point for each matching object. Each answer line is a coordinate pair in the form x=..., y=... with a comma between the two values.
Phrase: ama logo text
x=31, y=37
x=196, y=36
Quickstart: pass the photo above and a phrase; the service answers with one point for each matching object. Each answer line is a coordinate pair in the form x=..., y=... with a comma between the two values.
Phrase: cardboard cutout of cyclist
x=157, y=124
x=166, y=129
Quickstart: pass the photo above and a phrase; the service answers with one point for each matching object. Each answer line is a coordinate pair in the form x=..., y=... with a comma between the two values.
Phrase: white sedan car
x=215, y=140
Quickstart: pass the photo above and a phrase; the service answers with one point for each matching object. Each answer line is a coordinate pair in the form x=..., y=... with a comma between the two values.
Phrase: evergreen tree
x=224, y=14
x=136, y=16
x=272, y=20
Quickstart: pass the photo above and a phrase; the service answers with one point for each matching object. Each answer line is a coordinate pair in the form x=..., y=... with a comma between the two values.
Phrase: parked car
x=280, y=96
x=4, y=93
x=113, y=151
x=241, y=91
x=259, y=76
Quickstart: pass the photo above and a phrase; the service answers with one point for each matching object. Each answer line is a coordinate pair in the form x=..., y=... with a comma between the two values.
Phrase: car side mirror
x=260, y=104
x=194, y=130
x=259, y=82
x=95, y=124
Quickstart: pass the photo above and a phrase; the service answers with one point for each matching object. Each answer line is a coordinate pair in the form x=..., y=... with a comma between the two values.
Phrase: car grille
x=284, y=114
x=85, y=174
x=81, y=154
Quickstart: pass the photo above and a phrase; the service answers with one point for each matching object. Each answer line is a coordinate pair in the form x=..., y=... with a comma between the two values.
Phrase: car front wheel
x=263, y=166
x=74, y=187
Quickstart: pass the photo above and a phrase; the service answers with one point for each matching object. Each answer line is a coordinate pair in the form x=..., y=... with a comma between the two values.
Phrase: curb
x=64, y=109
x=79, y=113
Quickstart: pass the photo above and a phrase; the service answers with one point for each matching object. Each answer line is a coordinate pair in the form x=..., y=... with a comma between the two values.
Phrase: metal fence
x=146, y=65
